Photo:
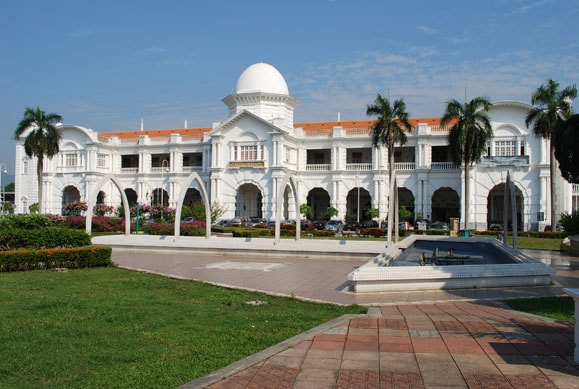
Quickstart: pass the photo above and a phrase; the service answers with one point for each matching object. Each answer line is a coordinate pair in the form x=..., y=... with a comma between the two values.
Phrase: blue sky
x=107, y=64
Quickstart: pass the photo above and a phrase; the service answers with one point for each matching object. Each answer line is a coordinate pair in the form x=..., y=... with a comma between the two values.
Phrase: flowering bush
x=75, y=208
x=193, y=228
x=103, y=209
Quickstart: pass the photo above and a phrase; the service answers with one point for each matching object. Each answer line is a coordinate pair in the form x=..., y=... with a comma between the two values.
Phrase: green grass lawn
x=559, y=308
x=109, y=327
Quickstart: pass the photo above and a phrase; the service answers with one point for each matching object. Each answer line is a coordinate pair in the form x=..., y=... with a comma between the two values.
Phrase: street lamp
x=163, y=164
x=2, y=171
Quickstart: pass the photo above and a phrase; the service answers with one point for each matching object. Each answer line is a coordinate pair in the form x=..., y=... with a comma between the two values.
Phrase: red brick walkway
x=454, y=345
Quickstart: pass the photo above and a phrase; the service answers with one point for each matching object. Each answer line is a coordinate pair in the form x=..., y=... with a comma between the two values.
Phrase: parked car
x=439, y=226
x=188, y=219
x=422, y=224
x=334, y=225
x=236, y=222
x=319, y=225
x=254, y=221
x=221, y=223
x=496, y=227
x=559, y=228
x=306, y=225
x=351, y=226
x=369, y=224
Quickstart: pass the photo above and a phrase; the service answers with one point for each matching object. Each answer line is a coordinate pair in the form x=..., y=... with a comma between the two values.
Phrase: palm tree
x=551, y=108
x=42, y=139
x=390, y=128
x=468, y=137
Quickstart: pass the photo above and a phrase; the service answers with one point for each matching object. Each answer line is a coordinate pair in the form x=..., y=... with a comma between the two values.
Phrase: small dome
x=261, y=77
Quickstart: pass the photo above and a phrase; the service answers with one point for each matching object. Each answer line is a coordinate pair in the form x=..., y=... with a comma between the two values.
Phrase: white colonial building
x=243, y=159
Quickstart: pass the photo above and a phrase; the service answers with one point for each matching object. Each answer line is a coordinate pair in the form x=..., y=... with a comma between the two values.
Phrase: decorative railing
x=575, y=188
x=357, y=132
x=160, y=169
x=319, y=133
x=129, y=170
x=159, y=139
x=365, y=167
x=443, y=166
x=190, y=169
x=318, y=167
x=191, y=138
x=70, y=169
x=404, y=165
x=440, y=128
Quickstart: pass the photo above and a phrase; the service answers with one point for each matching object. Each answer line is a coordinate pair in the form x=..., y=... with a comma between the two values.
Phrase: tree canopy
x=567, y=148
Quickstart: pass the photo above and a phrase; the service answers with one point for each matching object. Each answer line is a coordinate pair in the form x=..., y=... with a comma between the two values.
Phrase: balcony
x=361, y=167
x=443, y=166
x=129, y=170
x=405, y=166
x=318, y=167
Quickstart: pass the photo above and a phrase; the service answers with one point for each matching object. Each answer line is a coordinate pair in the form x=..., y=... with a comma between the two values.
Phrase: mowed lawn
x=115, y=328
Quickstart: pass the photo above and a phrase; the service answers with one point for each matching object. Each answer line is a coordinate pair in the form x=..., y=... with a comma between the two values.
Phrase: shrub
x=74, y=208
x=375, y=232
x=570, y=221
x=102, y=209
x=29, y=222
x=42, y=238
x=70, y=258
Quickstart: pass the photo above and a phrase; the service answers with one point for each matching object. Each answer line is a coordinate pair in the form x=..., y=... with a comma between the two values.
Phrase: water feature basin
x=486, y=263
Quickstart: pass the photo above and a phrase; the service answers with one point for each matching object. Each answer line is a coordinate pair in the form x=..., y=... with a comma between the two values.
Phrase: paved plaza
x=423, y=339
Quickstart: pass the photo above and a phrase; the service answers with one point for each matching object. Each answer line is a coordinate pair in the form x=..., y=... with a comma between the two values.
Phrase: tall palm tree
x=468, y=137
x=42, y=139
x=390, y=128
x=552, y=106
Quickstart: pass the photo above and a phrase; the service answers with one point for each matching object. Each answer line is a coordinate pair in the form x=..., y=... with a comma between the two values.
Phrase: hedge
x=70, y=258
x=49, y=237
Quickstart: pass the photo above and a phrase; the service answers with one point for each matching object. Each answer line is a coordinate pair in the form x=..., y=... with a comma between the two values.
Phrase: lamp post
x=164, y=166
x=2, y=171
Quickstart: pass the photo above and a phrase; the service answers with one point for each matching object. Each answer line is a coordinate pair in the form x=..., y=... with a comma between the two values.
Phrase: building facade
x=243, y=159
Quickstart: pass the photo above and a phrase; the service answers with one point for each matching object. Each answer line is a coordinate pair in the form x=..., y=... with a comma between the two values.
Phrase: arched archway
x=406, y=199
x=288, y=182
x=495, y=206
x=92, y=200
x=249, y=201
x=318, y=199
x=69, y=195
x=160, y=197
x=132, y=196
x=445, y=204
x=192, y=196
x=358, y=202
x=193, y=177
x=101, y=197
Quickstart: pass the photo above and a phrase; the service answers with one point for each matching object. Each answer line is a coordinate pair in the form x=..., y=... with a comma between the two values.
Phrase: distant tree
x=330, y=212
x=404, y=212
x=468, y=137
x=373, y=213
x=306, y=210
x=41, y=141
x=9, y=188
x=33, y=208
x=567, y=148
x=552, y=106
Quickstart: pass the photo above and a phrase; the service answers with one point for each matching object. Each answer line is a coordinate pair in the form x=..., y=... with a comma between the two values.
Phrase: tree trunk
x=466, y=195
x=553, y=174
x=39, y=170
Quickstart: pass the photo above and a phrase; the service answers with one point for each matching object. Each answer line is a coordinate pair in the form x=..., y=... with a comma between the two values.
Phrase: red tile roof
x=306, y=126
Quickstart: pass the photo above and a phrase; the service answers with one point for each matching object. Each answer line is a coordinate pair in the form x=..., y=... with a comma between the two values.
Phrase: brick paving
x=424, y=339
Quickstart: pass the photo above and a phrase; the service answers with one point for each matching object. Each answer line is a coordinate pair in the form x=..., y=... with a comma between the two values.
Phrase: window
x=505, y=148
x=25, y=167
x=70, y=159
x=248, y=153
x=101, y=160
